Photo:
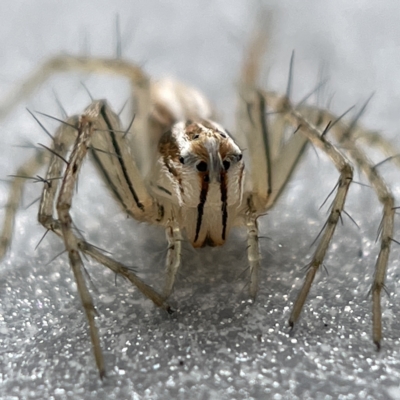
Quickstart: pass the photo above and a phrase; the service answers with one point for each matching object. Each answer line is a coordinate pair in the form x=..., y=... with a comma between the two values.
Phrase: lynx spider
x=197, y=186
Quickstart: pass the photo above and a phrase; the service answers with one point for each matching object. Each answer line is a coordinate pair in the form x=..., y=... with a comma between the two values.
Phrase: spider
x=174, y=166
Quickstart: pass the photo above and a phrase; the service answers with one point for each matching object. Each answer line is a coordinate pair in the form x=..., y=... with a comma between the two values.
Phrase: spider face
x=200, y=170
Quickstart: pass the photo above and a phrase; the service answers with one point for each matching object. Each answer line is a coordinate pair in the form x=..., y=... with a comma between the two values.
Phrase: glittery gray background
x=217, y=345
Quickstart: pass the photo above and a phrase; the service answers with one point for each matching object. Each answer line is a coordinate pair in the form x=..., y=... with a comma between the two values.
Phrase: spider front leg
x=271, y=164
x=278, y=167
x=173, y=261
x=27, y=171
x=253, y=255
x=348, y=136
x=63, y=206
x=269, y=167
x=316, y=137
x=97, y=120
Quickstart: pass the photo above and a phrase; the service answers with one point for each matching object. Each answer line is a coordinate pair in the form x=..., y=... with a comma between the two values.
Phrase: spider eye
x=226, y=165
x=182, y=160
x=239, y=157
x=202, y=166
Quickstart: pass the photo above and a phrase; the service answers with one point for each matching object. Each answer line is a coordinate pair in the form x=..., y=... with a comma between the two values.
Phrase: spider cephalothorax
x=200, y=171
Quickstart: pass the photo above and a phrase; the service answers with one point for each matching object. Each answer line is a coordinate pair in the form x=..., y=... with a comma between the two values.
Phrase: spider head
x=205, y=169
x=206, y=149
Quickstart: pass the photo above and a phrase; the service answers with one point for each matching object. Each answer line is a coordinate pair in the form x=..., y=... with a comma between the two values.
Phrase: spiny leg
x=314, y=135
x=252, y=133
x=63, y=205
x=276, y=176
x=270, y=161
x=88, y=123
x=347, y=135
x=151, y=100
x=253, y=254
x=139, y=81
x=68, y=64
x=377, y=141
x=251, y=124
x=64, y=137
x=386, y=234
x=268, y=175
x=359, y=134
x=29, y=169
x=127, y=273
x=345, y=179
x=173, y=261
x=280, y=170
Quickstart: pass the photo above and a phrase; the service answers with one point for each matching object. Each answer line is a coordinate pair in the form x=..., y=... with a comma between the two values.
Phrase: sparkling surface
x=217, y=345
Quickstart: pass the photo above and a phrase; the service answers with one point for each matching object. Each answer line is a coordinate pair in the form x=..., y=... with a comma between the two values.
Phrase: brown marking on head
x=193, y=130
x=200, y=150
x=225, y=148
x=168, y=147
x=199, y=132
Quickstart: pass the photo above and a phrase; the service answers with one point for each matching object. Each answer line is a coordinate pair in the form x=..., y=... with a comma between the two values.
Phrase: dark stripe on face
x=224, y=200
x=200, y=207
x=120, y=159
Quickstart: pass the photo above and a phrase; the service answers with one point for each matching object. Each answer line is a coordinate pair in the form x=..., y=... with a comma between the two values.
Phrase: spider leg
x=268, y=175
x=269, y=162
x=252, y=127
x=386, y=198
x=95, y=121
x=314, y=135
x=67, y=64
x=28, y=169
x=347, y=137
x=139, y=81
x=284, y=164
x=113, y=158
x=377, y=141
x=173, y=261
x=64, y=224
x=253, y=254
x=156, y=105
x=359, y=134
